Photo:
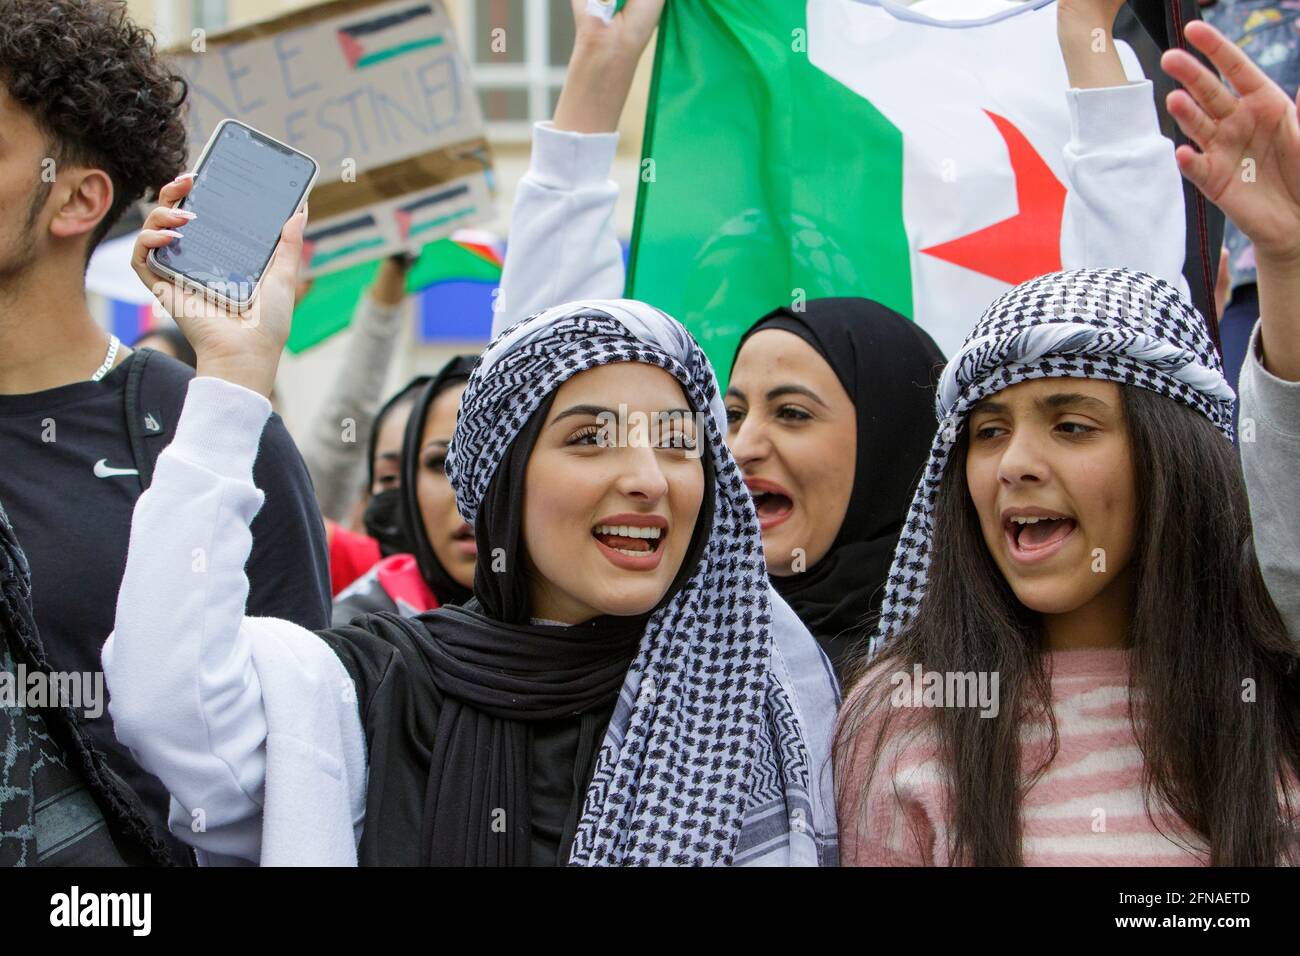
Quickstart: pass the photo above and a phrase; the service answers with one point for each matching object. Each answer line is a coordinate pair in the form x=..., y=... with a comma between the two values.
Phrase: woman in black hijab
x=830, y=412
x=428, y=550
x=625, y=688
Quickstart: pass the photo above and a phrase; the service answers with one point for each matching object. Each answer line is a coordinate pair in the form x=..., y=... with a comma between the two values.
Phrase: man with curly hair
x=91, y=120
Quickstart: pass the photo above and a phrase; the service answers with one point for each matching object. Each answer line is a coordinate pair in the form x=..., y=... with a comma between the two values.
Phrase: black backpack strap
x=155, y=394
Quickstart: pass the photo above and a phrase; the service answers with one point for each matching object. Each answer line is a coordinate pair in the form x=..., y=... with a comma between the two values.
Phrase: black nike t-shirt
x=69, y=483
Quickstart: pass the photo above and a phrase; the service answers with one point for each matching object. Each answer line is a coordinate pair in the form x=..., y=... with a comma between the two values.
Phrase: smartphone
x=248, y=186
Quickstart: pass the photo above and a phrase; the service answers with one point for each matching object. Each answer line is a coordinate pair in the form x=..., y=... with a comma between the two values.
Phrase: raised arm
x=1249, y=166
x=563, y=245
x=338, y=467
x=182, y=662
x=185, y=696
x=1125, y=204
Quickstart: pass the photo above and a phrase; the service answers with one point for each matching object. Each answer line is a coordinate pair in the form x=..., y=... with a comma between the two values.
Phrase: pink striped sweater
x=1085, y=810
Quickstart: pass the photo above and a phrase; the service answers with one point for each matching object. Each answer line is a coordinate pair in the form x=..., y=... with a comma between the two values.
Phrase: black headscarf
x=446, y=588
x=383, y=516
x=889, y=366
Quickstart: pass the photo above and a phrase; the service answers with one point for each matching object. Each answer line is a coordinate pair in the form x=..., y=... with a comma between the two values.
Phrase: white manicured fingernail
x=184, y=176
x=171, y=232
x=185, y=213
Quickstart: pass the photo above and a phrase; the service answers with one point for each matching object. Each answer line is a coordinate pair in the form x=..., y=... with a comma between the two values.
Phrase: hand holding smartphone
x=223, y=259
x=246, y=187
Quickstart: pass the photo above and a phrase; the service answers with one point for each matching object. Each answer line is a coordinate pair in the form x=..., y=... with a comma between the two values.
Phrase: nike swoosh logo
x=104, y=470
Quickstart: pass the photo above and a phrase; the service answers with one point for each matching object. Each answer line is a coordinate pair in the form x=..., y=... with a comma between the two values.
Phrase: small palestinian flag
x=433, y=211
x=341, y=239
x=375, y=40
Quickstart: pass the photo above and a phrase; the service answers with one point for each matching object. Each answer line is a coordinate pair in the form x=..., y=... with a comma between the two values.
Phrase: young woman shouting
x=1083, y=534
x=624, y=689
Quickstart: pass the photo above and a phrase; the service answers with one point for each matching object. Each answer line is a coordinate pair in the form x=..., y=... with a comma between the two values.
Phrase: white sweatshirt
x=1124, y=206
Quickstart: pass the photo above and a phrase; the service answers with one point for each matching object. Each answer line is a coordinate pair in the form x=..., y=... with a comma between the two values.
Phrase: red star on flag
x=1027, y=244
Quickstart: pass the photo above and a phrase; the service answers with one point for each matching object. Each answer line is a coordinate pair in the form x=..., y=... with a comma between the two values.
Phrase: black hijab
x=456, y=372
x=383, y=515
x=495, y=675
x=889, y=367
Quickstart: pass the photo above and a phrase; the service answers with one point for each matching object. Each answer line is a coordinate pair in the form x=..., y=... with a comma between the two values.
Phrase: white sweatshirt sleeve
x=186, y=697
x=563, y=244
x=1124, y=208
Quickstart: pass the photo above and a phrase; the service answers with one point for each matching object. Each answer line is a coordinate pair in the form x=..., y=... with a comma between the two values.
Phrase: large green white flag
x=849, y=147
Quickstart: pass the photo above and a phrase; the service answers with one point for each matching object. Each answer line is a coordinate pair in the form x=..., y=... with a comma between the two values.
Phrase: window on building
x=209, y=14
x=518, y=50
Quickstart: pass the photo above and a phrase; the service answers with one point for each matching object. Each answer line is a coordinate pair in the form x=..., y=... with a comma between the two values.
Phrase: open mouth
x=771, y=502
x=1035, y=537
x=464, y=539
x=771, y=505
x=632, y=540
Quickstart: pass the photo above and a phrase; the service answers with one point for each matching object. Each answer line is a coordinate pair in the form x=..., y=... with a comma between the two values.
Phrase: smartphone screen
x=247, y=187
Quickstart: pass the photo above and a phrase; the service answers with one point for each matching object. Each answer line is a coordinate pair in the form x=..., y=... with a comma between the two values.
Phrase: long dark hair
x=1219, y=719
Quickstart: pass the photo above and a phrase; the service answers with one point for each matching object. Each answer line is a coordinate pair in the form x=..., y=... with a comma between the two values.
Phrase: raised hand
x=1249, y=166
x=243, y=348
x=606, y=50
x=1249, y=159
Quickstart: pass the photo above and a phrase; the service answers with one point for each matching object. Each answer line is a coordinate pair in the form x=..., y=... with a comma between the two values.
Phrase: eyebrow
x=1061, y=399
x=595, y=411
x=1053, y=401
x=779, y=391
x=584, y=411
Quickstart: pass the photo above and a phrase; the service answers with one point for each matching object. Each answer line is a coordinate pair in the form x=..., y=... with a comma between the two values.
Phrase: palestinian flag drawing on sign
x=393, y=34
x=432, y=211
x=849, y=147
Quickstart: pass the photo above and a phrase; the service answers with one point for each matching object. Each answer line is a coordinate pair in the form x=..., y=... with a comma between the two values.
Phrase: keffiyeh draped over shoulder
x=718, y=749
x=1111, y=324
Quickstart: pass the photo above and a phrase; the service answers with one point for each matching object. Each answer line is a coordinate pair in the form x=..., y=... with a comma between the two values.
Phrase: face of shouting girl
x=607, y=524
x=1049, y=469
x=793, y=430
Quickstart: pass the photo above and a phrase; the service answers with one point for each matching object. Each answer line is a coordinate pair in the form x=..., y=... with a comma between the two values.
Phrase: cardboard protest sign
x=379, y=94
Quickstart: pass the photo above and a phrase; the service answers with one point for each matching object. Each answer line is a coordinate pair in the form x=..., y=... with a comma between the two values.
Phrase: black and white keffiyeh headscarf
x=1112, y=324
x=704, y=761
